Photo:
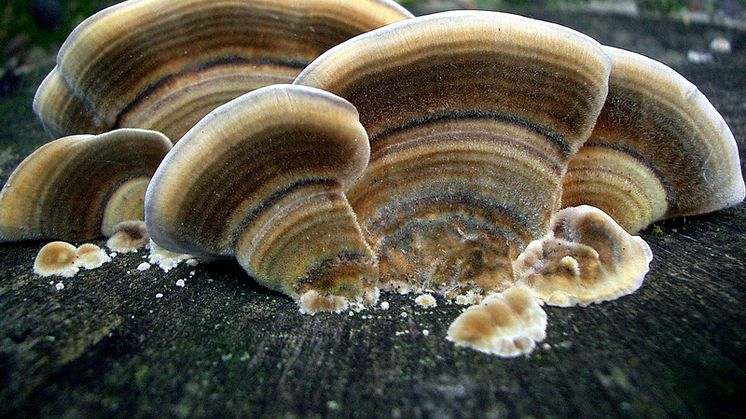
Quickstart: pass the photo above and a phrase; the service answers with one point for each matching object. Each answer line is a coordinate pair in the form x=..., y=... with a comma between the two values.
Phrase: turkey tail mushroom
x=472, y=117
x=163, y=64
x=80, y=187
x=262, y=178
x=659, y=149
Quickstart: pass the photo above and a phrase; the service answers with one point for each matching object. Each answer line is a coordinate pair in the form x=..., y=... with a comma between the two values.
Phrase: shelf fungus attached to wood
x=507, y=324
x=262, y=178
x=586, y=258
x=659, y=149
x=79, y=187
x=472, y=117
x=164, y=64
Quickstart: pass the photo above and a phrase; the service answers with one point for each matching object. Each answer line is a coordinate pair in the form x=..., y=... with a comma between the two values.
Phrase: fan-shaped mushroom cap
x=659, y=149
x=586, y=258
x=263, y=178
x=74, y=187
x=164, y=64
x=472, y=117
x=506, y=324
x=56, y=258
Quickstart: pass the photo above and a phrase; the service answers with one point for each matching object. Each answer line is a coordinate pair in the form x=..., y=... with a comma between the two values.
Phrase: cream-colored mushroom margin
x=164, y=64
x=79, y=187
x=472, y=117
x=659, y=149
x=507, y=324
x=262, y=178
x=586, y=258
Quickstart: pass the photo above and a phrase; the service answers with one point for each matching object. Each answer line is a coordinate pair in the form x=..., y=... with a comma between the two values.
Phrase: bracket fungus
x=80, y=187
x=659, y=149
x=164, y=64
x=262, y=178
x=586, y=258
x=472, y=117
x=507, y=324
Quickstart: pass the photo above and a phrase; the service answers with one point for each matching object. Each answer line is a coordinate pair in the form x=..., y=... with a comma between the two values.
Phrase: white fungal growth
x=426, y=301
x=165, y=259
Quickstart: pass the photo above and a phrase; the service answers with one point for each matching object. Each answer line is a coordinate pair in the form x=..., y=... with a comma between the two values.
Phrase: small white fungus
x=180, y=283
x=159, y=295
x=385, y=305
x=143, y=266
x=426, y=301
x=59, y=286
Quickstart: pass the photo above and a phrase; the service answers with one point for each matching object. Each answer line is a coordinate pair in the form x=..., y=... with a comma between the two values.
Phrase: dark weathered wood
x=224, y=346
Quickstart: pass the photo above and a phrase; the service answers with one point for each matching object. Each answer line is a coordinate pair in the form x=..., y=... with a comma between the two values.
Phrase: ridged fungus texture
x=77, y=187
x=659, y=149
x=586, y=258
x=263, y=178
x=164, y=64
x=507, y=324
x=472, y=117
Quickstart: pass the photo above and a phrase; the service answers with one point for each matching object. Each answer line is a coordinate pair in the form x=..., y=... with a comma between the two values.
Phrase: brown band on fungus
x=262, y=178
x=681, y=156
x=64, y=189
x=178, y=44
x=472, y=118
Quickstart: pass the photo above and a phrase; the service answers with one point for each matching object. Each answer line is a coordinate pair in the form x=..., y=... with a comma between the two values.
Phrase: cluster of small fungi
x=338, y=148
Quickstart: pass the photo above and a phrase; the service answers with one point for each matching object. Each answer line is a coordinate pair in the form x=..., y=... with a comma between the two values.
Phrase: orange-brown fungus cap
x=128, y=236
x=472, y=117
x=659, y=149
x=91, y=256
x=262, y=178
x=586, y=258
x=164, y=64
x=56, y=258
x=69, y=187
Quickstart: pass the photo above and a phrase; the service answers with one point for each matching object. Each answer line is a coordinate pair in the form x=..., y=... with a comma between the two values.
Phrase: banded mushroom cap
x=659, y=149
x=507, y=324
x=263, y=178
x=472, y=117
x=79, y=187
x=586, y=258
x=163, y=64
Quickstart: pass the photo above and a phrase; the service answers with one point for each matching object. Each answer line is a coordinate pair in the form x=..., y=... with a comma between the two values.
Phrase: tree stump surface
x=224, y=346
